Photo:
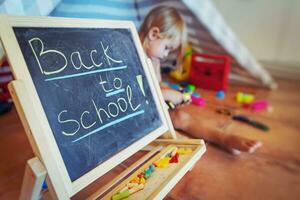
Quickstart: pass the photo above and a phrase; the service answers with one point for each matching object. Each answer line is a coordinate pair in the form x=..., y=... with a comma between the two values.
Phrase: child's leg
x=195, y=127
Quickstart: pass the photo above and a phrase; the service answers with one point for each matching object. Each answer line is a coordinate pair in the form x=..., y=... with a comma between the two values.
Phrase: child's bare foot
x=236, y=144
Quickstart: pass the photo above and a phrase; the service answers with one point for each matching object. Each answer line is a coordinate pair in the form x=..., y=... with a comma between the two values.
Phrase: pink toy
x=257, y=105
x=198, y=101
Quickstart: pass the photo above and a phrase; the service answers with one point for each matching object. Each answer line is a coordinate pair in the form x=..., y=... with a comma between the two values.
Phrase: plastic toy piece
x=191, y=87
x=251, y=122
x=175, y=158
x=142, y=180
x=184, y=151
x=182, y=74
x=259, y=105
x=163, y=163
x=121, y=195
x=196, y=94
x=220, y=94
x=198, y=101
x=244, y=97
x=210, y=71
x=186, y=97
x=152, y=167
x=175, y=86
x=135, y=180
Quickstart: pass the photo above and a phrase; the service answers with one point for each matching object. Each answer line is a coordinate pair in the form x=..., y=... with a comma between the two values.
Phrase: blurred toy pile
x=211, y=72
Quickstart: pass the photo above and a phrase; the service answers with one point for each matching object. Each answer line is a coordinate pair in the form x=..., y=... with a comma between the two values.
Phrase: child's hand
x=172, y=95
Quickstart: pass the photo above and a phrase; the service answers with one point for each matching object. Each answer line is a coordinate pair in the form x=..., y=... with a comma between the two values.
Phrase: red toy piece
x=174, y=159
x=210, y=71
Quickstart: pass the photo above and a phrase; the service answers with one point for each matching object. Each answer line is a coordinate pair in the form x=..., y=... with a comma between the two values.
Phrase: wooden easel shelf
x=163, y=179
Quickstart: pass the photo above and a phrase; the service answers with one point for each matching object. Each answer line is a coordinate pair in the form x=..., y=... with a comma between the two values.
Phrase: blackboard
x=93, y=90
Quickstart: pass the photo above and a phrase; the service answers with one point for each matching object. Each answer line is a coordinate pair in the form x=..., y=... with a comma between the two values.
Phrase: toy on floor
x=251, y=122
x=196, y=94
x=220, y=94
x=210, y=71
x=257, y=105
x=182, y=74
x=198, y=101
x=175, y=87
x=244, y=97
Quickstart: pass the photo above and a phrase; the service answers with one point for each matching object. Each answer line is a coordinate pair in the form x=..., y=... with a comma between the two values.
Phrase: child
x=163, y=31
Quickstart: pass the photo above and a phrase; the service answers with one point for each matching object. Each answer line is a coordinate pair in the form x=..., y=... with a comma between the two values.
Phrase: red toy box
x=210, y=71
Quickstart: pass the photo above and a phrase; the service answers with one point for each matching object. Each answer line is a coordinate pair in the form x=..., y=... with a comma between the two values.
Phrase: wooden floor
x=273, y=172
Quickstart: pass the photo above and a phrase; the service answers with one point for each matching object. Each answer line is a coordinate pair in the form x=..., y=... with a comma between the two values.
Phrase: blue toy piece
x=152, y=167
x=175, y=86
x=220, y=94
x=185, y=90
x=196, y=94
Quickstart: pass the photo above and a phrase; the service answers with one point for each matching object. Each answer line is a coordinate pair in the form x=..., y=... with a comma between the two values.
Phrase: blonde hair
x=170, y=24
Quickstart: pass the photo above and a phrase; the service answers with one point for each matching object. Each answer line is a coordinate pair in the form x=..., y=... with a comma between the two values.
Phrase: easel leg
x=34, y=176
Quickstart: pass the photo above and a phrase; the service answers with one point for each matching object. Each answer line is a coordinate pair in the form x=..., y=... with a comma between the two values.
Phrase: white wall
x=269, y=28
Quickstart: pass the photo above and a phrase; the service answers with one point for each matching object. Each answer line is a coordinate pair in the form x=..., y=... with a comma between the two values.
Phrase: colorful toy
x=251, y=122
x=121, y=195
x=186, y=97
x=191, y=88
x=198, y=101
x=175, y=158
x=257, y=105
x=244, y=97
x=210, y=71
x=184, y=151
x=185, y=90
x=182, y=74
x=196, y=94
x=138, y=182
x=220, y=94
x=175, y=86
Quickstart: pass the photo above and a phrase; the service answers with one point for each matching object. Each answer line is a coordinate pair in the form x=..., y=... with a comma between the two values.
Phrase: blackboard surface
x=93, y=90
